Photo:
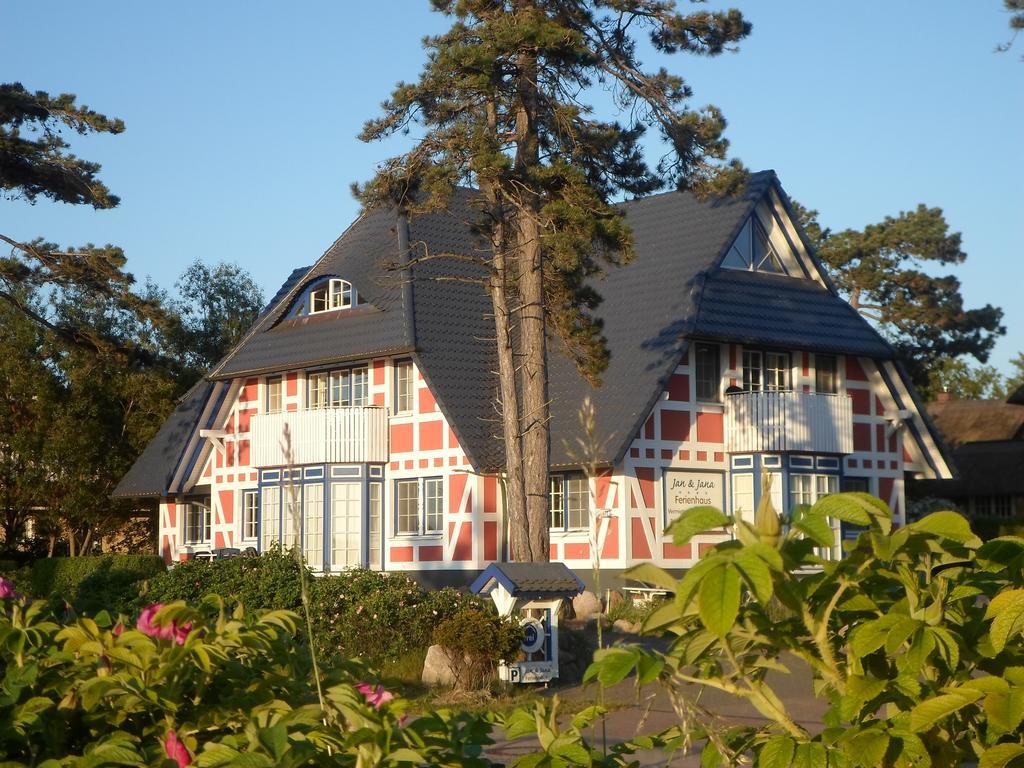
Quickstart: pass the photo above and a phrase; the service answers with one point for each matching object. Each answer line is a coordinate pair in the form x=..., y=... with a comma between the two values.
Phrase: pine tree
x=501, y=103
x=881, y=271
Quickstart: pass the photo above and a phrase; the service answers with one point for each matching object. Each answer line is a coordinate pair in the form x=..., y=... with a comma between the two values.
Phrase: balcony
x=788, y=421
x=324, y=436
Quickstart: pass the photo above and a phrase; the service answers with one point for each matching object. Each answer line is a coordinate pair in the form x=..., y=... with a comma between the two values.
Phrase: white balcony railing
x=324, y=436
x=788, y=421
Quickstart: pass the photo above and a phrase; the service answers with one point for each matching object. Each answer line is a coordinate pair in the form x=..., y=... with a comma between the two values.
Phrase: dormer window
x=753, y=251
x=334, y=294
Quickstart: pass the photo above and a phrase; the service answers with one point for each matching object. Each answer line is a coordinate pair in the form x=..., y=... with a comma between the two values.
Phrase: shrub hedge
x=93, y=583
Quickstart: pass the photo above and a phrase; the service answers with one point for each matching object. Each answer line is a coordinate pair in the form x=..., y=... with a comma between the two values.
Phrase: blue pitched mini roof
x=529, y=580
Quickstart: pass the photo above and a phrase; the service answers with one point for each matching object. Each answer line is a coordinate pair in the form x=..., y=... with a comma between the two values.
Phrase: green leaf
x=652, y=574
x=719, y=599
x=755, y=573
x=693, y=521
x=568, y=747
x=816, y=527
x=405, y=755
x=648, y=668
x=1007, y=612
x=1000, y=755
x=520, y=723
x=665, y=614
x=777, y=752
x=810, y=755
x=857, y=508
x=870, y=636
x=930, y=711
x=870, y=747
x=588, y=715
x=949, y=525
x=613, y=664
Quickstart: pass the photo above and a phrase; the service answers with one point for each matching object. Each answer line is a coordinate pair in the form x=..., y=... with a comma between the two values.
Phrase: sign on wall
x=692, y=489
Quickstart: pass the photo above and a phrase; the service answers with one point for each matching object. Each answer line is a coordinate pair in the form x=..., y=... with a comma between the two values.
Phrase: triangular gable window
x=753, y=251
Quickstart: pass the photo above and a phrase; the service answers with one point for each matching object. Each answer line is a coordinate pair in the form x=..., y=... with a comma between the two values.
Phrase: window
x=403, y=386
x=419, y=505
x=197, y=522
x=250, y=514
x=318, y=390
x=271, y=509
x=708, y=371
x=274, y=395
x=376, y=508
x=993, y=506
x=349, y=387
x=857, y=484
x=313, y=524
x=433, y=504
x=826, y=378
x=765, y=371
x=335, y=294
x=753, y=251
x=808, y=489
x=291, y=522
x=569, y=501
x=743, y=496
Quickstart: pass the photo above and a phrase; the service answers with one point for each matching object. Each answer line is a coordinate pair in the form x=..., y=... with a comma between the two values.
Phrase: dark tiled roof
x=970, y=421
x=1017, y=398
x=152, y=472
x=672, y=292
x=991, y=468
x=529, y=579
x=762, y=308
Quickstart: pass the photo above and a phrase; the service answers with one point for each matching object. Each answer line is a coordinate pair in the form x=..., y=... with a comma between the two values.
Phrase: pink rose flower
x=168, y=631
x=375, y=695
x=176, y=750
x=7, y=589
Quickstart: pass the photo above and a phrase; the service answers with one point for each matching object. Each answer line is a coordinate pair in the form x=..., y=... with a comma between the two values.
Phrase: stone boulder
x=586, y=604
x=437, y=669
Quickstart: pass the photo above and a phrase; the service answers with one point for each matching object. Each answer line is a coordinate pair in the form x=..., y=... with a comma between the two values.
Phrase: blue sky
x=242, y=117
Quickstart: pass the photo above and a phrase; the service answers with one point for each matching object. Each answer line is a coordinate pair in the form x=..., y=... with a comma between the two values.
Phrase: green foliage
x=881, y=270
x=96, y=583
x=234, y=692
x=966, y=382
x=267, y=582
x=915, y=639
x=475, y=639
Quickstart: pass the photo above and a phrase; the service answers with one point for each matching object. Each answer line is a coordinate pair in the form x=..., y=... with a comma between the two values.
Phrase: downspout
x=403, y=260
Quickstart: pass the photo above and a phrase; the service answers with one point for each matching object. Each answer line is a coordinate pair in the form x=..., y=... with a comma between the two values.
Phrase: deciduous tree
x=502, y=105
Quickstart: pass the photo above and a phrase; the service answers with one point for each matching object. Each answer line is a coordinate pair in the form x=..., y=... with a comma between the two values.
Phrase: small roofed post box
x=534, y=592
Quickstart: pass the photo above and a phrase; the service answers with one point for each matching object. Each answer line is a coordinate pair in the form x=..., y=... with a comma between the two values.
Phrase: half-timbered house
x=357, y=418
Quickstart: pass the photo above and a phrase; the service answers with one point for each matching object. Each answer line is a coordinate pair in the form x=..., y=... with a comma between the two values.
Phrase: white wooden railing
x=322, y=436
x=788, y=421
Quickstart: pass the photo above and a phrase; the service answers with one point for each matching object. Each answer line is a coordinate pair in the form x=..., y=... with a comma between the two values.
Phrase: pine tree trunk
x=536, y=437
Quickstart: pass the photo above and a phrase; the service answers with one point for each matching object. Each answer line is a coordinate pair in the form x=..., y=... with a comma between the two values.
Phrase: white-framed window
x=826, y=374
x=291, y=520
x=346, y=525
x=313, y=524
x=808, y=489
x=349, y=387
x=708, y=371
x=270, y=510
x=318, y=389
x=334, y=294
x=197, y=522
x=250, y=514
x=993, y=506
x=743, y=496
x=766, y=371
x=753, y=250
x=404, y=386
x=569, y=502
x=419, y=506
x=376, y=509
x=275, y=394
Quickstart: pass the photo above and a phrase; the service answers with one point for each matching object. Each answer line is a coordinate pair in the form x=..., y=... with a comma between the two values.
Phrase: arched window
x=334, y=294
x=753, y=251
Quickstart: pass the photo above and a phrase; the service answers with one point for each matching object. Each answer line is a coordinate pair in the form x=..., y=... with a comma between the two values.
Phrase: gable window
x=334, y=294
x=569, y=502
x=753, y=250
x=403, y=386
x=765, y=371
x=197, y=522
x=419, y=505
x=826, y=376
x=250, y=514
x=274, y=395
x=707, y=364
